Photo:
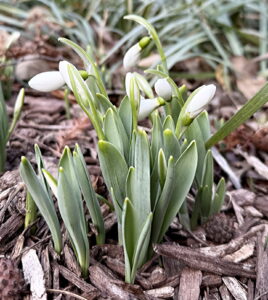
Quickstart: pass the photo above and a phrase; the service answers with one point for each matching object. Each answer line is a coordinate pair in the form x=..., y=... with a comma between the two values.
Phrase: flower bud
x=47, y=81
x=200, y=100
x=163, y=89
x=132, y=56
x=63, y=67
x=147, y=106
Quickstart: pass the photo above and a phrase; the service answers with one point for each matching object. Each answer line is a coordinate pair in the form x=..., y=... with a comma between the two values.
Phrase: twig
x=66, y=293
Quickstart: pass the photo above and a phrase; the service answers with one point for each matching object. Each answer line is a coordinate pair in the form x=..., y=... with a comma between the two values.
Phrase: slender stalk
x=67, y=103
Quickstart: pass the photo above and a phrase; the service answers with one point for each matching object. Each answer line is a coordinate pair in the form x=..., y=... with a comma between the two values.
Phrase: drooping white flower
x=132, y=56
x=147, y=106
x=52, y=80
x=47, y=81
x=200, y=100
x=163, y=89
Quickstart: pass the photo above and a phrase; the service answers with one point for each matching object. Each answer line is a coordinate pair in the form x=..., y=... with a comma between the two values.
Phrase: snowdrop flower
x=52, y=80
x=47, y=81
x=132, y=56
x=200, y=100
x=147, y=106
x=163, y=89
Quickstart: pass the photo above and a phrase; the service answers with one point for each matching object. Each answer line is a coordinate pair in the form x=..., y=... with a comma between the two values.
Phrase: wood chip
x=190, y=282
x=243, y=253
x=34, y=275
x=107, y=283
x=262, y=269
x=235, y=288
x=225, y=294
x=196, y=260
x=77, y=281
x=162, y=293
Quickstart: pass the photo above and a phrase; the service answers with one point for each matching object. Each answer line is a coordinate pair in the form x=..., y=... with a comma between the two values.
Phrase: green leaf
x=240, y=117
x=207, y=184
x=171, y=144
x=114, y=169
x=141, y=186
x=204, y=125
x=162, y=167
x=89, y=194
x=163, y=202
x=128, y=230
x=41, y=198
x=157, y=137
x=169, y=124
x=124, y=113
x=218, y=198
x=141, y=249
x=88, y=61
x=185, y=169
x=115, y=132
x=193, y=132
x=71, y=210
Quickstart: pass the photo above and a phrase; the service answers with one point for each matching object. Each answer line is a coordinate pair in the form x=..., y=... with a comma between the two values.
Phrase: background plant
x=7, y=128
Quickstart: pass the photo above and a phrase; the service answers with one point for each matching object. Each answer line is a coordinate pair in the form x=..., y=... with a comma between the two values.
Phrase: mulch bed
x=186, y=266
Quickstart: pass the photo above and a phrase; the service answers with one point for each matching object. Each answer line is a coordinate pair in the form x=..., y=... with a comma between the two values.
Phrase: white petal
x=201, y=99
x=146, y=107
x=63, y=67
x=47, y=81
x=163, y=89
x=132, y=56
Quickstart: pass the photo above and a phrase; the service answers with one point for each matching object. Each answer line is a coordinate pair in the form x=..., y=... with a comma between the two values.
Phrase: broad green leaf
x=89, y=194
x=184, y=173
x=203, y=122
x=70, y=204
x=169, y=124
x=141, y=198
x=141, y=249
x=128, y=234
x=193, y=132
x=41, y=198
x=115, y=132
x=52, y=181
x=114, y=169
x=171, y=144
x=163, y=202
x=104, y=103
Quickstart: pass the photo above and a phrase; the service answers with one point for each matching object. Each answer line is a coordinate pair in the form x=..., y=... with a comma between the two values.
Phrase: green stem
x=67, y=103
x=31, y=211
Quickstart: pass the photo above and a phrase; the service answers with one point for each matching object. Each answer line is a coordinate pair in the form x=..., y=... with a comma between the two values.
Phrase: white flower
x=163, y=89
x=147, y=106
x=52, y=80
x=132, y=56
x=128, y=79
x=199, y=101
x=47, y=81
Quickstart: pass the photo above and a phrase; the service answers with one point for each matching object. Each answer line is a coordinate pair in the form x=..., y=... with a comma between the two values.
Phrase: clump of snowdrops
x=148, y=176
